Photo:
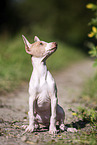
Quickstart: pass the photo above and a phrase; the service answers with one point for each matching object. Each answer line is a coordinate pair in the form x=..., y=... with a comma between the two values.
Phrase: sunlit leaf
x=74, y=114
x=94, y=29
x=93, y=53
x=89, y=6
x=91, y=34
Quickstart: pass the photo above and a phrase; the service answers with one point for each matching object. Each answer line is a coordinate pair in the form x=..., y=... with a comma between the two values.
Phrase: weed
x=93, y=33
x=86, y=114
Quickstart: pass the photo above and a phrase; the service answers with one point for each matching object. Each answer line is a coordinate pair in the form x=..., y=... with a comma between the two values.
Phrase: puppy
x=43, y=107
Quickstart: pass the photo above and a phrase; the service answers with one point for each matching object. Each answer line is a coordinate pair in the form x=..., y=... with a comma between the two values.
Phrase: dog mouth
x=52, y=49
x=50, y=52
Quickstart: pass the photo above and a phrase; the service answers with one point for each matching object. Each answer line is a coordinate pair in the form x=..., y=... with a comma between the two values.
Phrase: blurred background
x=63, y=21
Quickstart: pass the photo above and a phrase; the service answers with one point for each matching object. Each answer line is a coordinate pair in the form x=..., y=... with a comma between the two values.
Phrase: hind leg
x=61, y=125
x=60, y=117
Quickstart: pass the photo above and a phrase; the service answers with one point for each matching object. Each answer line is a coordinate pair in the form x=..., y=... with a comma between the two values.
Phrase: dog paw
x=62, y=127
x=52, y=130
x=71, y=130
x=37, y=126
x=30, y=128
x=24, y=126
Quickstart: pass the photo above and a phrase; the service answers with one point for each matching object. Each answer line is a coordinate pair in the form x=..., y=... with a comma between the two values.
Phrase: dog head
x=39, y=48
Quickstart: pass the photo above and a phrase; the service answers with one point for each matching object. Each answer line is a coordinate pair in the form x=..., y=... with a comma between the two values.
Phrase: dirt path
x=13, y=109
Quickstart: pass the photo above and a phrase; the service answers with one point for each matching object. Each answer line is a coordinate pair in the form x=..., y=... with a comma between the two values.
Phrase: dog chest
x=43, y=99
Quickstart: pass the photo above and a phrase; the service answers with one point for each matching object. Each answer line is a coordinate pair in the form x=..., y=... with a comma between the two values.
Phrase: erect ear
x=27, y=44
x=36, y=39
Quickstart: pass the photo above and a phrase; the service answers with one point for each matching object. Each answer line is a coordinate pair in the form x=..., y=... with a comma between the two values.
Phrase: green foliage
x=89, y=116
x=93, y=51
x=93, y=33
x=85, y=114
x=90, y=88
x=93, y=7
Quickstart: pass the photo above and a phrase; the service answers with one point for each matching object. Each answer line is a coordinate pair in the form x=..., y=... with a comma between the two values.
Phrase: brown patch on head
x=37, y=49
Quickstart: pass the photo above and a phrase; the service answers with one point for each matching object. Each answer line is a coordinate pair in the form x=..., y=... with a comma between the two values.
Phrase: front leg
x=52, y=128
x=31, y=126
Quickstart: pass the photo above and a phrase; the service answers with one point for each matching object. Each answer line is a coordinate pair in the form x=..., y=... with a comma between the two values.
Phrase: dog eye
x=41, y=43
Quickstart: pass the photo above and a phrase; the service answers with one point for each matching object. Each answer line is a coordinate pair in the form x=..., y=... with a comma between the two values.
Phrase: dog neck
x=39, y=67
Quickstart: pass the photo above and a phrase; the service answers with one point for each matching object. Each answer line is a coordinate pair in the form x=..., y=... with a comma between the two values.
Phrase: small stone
x=24, y=138
x=6, y=137
x=30, y=142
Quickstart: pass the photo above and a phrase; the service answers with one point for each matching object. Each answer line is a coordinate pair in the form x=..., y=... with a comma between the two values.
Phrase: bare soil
x=14, y=108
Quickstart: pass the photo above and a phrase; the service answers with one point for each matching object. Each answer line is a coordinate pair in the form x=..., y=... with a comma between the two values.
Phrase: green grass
x=90, y=90
x=14, y=64
x=79, y=138
x=16, y=67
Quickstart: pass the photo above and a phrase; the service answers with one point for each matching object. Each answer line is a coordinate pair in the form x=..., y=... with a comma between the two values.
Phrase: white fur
x=48, y=46
x=43, y=107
